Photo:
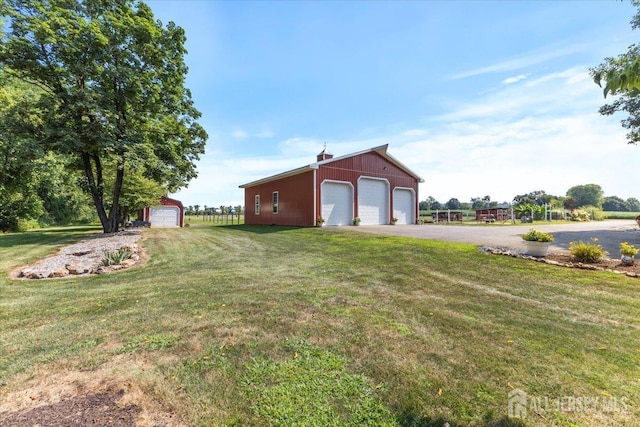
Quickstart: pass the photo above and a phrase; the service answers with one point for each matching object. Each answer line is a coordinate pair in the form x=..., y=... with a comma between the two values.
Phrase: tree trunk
x=95, y=188
x=117, y=191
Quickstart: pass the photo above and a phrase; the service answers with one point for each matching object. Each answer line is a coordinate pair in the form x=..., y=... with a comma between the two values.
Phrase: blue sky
x=477, y=97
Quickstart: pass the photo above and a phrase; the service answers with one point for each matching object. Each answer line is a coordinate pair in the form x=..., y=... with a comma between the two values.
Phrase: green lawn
x=241, y=325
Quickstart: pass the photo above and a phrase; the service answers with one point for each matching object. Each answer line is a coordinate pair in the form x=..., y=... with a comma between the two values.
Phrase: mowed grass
x=242, y=325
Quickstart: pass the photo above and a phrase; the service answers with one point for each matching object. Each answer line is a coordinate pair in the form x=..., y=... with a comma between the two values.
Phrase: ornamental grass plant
x=587, y=252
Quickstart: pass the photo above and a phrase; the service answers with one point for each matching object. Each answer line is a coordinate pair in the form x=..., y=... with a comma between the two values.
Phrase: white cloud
x=261, y=134
x=536, y=57
x=415, y=132
x=239, y=134
x=514, y=79
x=545, y=134
x=544, y=94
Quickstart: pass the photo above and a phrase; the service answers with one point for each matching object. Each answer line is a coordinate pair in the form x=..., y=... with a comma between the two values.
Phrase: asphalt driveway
x=609, y=233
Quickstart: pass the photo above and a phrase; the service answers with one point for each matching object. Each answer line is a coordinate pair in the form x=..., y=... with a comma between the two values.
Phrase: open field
x=241, y=325
x=469, y=216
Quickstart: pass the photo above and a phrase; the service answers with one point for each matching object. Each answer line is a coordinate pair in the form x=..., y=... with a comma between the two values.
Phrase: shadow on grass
x=45, y=236
x=410, y=419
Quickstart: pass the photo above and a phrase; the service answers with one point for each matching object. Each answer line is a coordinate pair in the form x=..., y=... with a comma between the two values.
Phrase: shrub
x=595, y=213
x=587, y=213
x=579, y=215
x=587, y=252
x=27, y=225
x=628, y=249
x=537, y=236
x=115, y=257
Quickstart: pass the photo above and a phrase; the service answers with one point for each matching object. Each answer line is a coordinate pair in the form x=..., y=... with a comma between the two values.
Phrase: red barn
x=370, y=184
x=170, y=213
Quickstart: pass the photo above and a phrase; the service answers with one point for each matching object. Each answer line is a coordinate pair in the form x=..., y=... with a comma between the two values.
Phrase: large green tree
x=621, y=74
x=586, y=195
x=112, y=81
x=634, y=204
x=64, y=201
x=538, y=197
x=452, y=203
x=138, y=192
x=19, y=199
x=614, y=203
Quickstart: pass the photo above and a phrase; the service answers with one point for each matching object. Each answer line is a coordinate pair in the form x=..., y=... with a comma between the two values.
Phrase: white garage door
x=337, y=203
x=164, y=216
x=403, y=206
x=373, y=201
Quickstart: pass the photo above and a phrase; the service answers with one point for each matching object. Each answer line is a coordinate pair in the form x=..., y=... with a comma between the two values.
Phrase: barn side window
x=275, y=202
x=257, y=204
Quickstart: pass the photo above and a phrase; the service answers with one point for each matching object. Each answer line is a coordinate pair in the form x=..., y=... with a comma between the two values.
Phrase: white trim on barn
x=404, y=202
x=164, y=216
x=336, y=202
x=373, y=200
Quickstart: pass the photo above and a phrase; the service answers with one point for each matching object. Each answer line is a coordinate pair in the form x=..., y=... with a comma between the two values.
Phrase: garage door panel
x=404, y=206
x=337, y=203
x=373, y=201
x=164, y=216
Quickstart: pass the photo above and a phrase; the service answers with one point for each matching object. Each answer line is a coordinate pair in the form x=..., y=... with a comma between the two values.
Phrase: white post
x=448, y=215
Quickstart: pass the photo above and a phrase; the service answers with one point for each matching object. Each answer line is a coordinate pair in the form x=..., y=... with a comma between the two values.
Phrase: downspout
x=315, y=198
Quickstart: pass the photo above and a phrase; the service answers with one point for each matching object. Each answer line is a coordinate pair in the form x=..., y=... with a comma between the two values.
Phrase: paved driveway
x=609, y=233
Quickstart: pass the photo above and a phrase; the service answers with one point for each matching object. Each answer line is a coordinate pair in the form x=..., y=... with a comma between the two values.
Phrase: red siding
x=143, y=214
x=295, y=201
x=165, y=201
x=370, y=165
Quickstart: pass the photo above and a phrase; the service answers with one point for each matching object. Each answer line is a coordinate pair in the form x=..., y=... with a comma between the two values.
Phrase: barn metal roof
x=382, y=150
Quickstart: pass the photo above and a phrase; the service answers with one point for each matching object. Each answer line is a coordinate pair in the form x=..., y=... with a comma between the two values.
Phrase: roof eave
x=382, y=150
x=281, y=175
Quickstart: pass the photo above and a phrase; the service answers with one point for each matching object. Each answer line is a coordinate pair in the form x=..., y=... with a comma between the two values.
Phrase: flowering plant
x=537, y=236
x=628, y=249
x=394, y=220
x=356, y=220
x=320, y=220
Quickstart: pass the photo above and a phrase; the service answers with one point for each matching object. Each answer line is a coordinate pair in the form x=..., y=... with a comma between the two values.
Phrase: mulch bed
x=94, y=409
x=567, y=260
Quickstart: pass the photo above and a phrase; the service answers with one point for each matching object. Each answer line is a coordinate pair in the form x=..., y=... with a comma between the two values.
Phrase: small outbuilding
x=170, y=213
x=490, y=215
x=371, y=185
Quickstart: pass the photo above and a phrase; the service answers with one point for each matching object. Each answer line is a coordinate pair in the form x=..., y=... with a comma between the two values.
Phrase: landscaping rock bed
x=566, y=260
x=86, y=257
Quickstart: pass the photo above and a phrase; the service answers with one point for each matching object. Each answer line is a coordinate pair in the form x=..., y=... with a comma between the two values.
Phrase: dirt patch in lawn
x=105, y=397
x=96, y=409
